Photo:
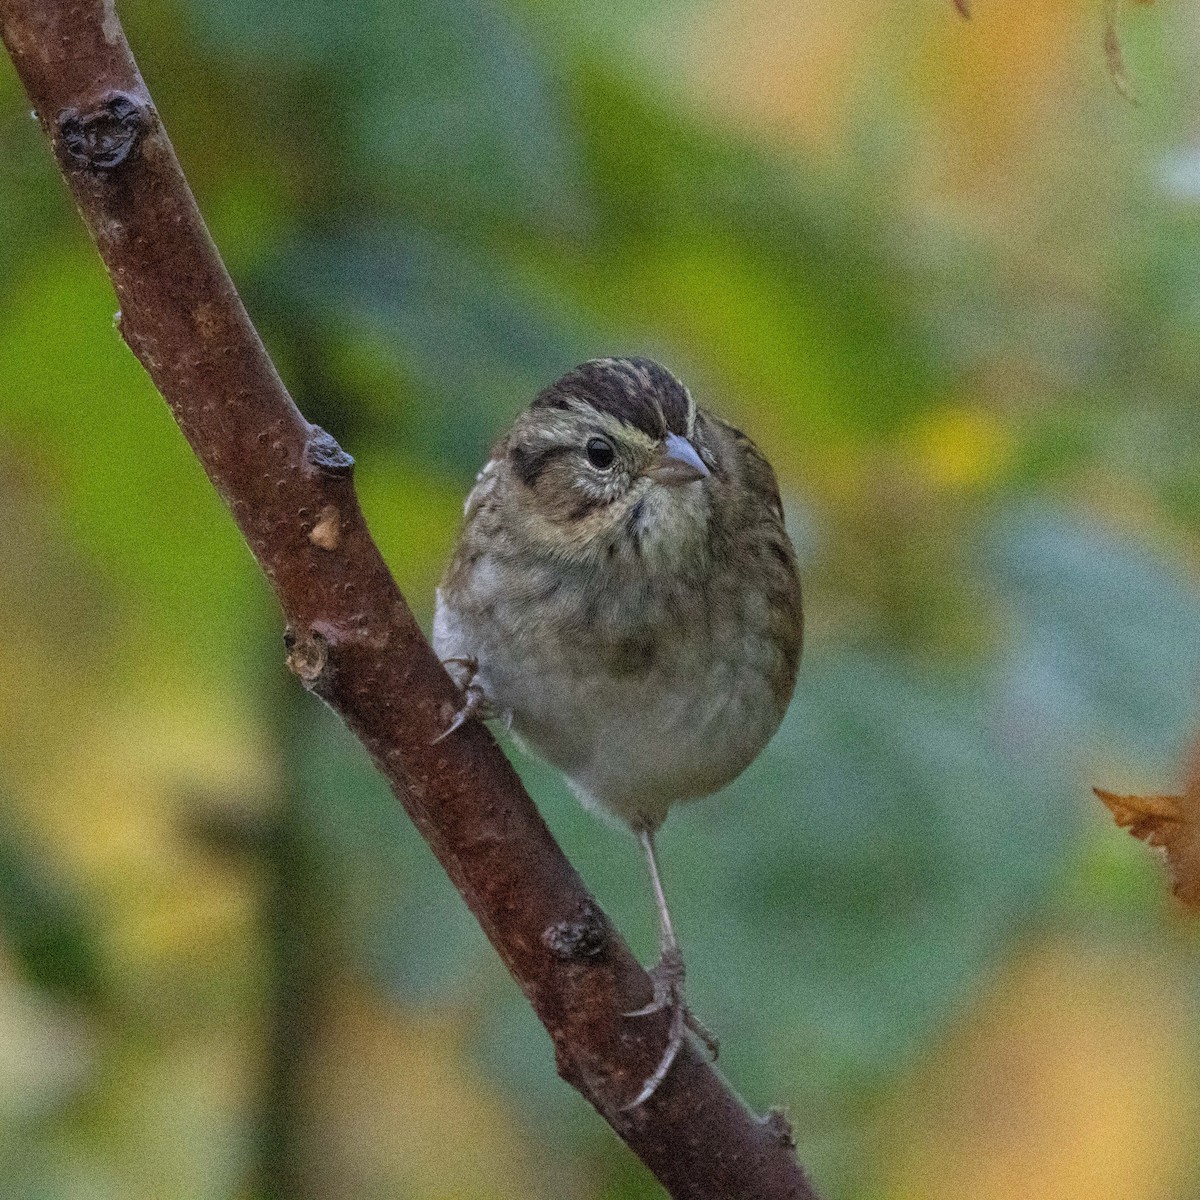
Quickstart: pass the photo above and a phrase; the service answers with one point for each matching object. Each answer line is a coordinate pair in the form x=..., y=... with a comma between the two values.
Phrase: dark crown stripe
x=635, y=390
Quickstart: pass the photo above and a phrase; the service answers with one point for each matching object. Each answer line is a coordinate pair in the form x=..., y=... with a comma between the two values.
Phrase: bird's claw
x=475, y=702
x=708, y=1039
x=675, y=1035
x=668, y=976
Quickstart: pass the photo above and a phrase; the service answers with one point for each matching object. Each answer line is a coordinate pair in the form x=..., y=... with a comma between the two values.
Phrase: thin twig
x=351, y=637
x=1114, y=55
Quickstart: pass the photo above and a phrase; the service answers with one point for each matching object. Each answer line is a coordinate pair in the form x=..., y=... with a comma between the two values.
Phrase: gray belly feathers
x=636, y=722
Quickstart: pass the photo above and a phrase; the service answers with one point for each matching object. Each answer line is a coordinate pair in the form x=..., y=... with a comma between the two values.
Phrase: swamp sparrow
x=624, y=594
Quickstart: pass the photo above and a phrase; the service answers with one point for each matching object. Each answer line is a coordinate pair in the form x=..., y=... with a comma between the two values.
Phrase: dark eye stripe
x=530, y=463
x=586, y=505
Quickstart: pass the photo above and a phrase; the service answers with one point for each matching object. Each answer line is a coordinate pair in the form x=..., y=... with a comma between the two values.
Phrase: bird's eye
x=600, y=453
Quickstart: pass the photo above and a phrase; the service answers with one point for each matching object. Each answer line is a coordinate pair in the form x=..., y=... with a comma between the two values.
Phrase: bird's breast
x=644, y=693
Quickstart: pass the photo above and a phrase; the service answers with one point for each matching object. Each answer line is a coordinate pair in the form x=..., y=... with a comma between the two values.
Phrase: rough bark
x=351, y=638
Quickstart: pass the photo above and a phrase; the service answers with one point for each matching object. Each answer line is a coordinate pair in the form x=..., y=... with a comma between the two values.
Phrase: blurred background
x=948, y=278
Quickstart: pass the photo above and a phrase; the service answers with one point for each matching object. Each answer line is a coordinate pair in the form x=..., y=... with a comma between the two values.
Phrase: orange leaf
x=1170, y=822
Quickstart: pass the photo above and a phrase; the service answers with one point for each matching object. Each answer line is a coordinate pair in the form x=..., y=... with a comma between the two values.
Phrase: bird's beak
x=677, y=463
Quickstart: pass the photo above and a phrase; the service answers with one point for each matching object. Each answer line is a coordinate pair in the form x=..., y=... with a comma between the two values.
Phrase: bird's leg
x=668, y=976
x=465, y=673
x=668, y=973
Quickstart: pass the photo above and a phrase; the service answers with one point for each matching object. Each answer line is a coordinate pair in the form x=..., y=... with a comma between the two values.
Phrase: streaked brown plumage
x=624, y=593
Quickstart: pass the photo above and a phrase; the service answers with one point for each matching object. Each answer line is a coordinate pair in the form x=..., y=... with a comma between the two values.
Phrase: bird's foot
x=465, y=673
x=668, y=976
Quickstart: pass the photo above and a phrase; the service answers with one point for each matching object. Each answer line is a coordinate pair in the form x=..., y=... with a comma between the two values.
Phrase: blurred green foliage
x=966, y=333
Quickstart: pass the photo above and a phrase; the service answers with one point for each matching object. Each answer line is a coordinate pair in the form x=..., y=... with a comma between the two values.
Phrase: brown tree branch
x=351, y=637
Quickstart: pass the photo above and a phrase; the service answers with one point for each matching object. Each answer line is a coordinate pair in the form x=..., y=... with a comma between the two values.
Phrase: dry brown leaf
x=964, y=8
x=1171, y=823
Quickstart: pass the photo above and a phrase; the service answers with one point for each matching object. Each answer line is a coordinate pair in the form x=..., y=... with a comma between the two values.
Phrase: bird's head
x=610, y=463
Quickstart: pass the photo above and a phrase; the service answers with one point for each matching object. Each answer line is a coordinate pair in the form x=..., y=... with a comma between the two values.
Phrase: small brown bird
x=625, y=595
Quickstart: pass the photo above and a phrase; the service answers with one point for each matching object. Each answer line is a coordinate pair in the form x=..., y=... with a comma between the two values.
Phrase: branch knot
x=323, y=452
x=583, y=936
x=104, y=137
x=307, y=656
x=777, y=1122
